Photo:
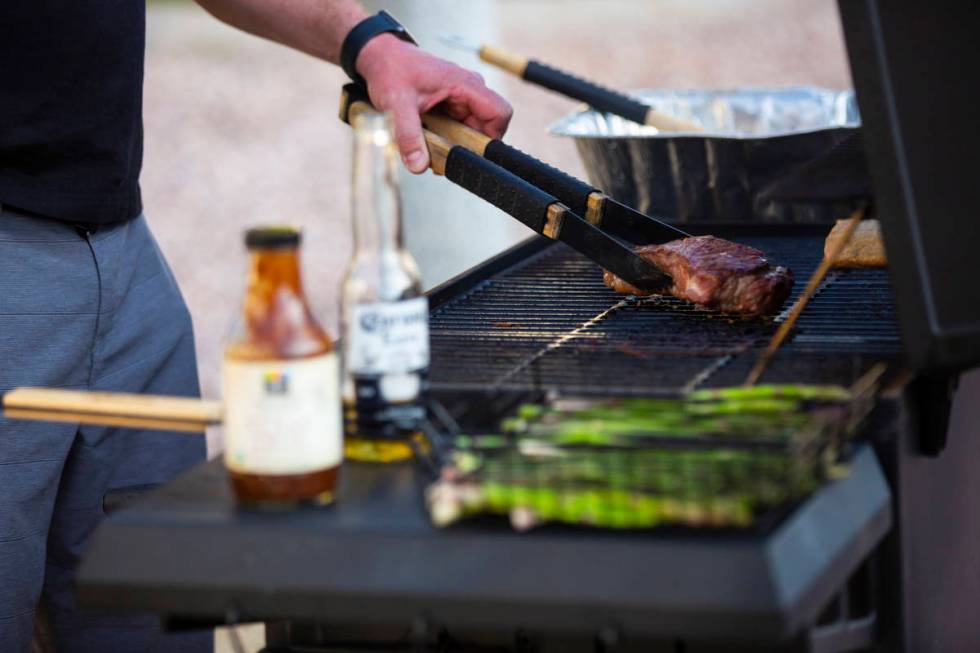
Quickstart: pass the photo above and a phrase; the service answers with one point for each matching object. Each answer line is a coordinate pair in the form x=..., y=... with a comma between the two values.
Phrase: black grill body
x=922, y=161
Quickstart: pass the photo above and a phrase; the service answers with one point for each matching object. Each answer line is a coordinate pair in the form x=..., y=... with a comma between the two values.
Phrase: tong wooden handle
x=111, y=409
x=456, y=132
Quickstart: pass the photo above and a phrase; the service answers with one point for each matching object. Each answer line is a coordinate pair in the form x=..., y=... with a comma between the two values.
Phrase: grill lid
x=917, y=93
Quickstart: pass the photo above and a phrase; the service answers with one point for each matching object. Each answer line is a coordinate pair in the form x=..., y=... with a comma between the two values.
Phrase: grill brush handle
x=603, y=99
x=593, y=94
x=111, y=409
x=569, y=85
x=599, y=97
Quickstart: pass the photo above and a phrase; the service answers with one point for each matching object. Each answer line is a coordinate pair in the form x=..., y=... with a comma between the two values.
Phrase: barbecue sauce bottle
x=384, y=315
x=281, y=375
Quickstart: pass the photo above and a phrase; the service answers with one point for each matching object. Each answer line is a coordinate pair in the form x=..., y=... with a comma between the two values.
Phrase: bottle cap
x=271, y=237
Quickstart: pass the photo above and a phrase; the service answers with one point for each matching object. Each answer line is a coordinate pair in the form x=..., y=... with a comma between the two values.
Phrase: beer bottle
x=384, y=315
x=281, y=375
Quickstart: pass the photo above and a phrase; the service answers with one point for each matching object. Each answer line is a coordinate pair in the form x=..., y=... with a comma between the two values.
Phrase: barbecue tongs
x=547, y=200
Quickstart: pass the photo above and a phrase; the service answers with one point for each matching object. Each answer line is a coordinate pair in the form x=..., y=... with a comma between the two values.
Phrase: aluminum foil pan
x=754, y=140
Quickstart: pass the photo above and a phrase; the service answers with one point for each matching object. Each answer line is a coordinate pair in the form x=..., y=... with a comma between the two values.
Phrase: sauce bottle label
x=282, y=417
x=389, y=338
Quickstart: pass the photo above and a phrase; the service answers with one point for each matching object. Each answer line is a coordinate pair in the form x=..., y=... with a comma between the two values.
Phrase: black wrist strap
x=380, y=23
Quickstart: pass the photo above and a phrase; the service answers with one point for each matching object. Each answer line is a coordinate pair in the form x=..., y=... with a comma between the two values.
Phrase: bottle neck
x=376, y=208
x=278, y=322
x=273, y=270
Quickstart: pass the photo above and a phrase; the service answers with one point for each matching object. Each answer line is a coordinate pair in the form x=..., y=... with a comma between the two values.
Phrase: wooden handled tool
x=111, y=409
x=524, y=201
x=569, y=85
x=811, y=289
x=596, y=207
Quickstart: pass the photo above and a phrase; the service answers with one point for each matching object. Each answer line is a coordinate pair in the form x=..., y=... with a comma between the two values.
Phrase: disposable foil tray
x=754, y=140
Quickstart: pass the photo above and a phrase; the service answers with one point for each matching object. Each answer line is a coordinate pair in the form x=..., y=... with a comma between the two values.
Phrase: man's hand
x=401, y=78
x=407, y=81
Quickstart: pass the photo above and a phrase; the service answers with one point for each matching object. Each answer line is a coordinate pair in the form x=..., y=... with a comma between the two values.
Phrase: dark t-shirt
x=71, y=131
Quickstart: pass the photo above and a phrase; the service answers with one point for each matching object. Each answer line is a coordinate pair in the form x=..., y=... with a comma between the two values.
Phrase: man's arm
x=401, y=78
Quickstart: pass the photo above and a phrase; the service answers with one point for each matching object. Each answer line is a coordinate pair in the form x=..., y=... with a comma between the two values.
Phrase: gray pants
x=98, y=311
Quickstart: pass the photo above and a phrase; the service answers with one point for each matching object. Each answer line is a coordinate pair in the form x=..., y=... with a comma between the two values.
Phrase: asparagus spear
x=693, y=472
x=828, y=393
x=612, y=508
x=612, y=426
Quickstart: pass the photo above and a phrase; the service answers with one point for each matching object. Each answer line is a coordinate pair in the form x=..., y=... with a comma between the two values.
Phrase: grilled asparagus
x=715, y=457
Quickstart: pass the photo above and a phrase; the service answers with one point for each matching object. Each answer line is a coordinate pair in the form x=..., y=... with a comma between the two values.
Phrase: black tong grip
x=601, y=98
x=503, y=189
x=570, y=191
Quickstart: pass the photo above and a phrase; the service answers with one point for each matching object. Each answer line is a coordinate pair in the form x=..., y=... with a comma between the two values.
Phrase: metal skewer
x=811, y=289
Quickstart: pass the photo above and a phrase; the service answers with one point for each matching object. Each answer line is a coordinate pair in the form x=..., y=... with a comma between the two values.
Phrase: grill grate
x=549, y=323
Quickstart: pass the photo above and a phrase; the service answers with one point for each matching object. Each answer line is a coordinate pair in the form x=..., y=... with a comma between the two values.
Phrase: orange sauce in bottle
x=283, y=425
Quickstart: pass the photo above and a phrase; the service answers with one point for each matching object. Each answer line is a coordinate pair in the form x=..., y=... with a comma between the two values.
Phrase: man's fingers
x=474, y=123
x=416, y=88
x=480, y=108
x=496, y=127
x=408, y=135
x=489, y=108
x=457, y=111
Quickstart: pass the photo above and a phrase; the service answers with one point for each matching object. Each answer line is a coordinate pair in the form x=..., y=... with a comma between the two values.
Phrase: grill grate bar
x=562, y=339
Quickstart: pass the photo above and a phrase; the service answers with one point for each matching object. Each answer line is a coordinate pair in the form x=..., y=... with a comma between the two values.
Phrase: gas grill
x=883, y=559
x=536, y=321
